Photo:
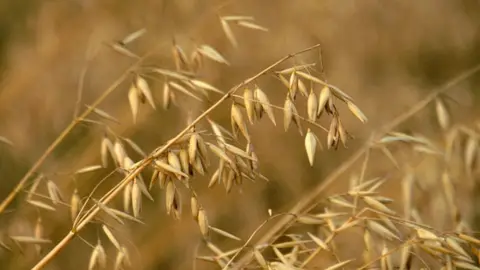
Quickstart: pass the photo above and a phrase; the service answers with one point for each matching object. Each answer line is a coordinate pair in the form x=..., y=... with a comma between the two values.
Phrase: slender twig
x=147, y=161
x=305, y=204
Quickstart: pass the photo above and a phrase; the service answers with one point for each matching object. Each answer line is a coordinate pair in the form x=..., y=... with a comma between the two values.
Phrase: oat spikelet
x=203, y=222
x=470, y=153
x=238, y=122
x=332, y=137
x=179, y=57
x=325, y=95
x=170, y=191
x=312, y=106
x=53, y=192
x=127, y=197
x=293, y=85
x=39, y=233
x=120, y=153
x=265, y=104
x=134, y=100
x=111, y=237
x=122, y=259
x=443, y=117
x=213, y=54
x=98, y=259
x=167, y=96
x=228, y=32
x=249, y=105
x=356, y=111
x=142, y=85
x=136, y=198
x=310, y=146
x=106, y=148
x=75, y=205
x=195, y=207
x=287, y=113
x=339, y=265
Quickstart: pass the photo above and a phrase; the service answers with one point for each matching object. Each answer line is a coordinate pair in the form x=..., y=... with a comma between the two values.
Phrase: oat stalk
x=118, y=188
x=308, y=202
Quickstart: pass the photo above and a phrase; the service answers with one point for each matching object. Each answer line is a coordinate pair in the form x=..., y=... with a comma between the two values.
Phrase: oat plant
x=392, y=232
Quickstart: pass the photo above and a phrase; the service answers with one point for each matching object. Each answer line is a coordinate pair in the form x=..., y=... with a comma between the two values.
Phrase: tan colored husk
x=98, y=259
x=312, y=106
x=111, y=237
x=293, y=85
x=238, y=122
x=443, y=116
x=248, y=98
x=53, y=192
x=136, y=198
x=203, y=222
x=265, y=104
x=75, y=205
x=310, y=146
x=127, y=197
x=106, y=148
x=228, y=32
x=195, y=207
x=167, y=96
x=134, y=100
x=144, y=88
x=323, y=98
x=356, y=111
x=39, y=233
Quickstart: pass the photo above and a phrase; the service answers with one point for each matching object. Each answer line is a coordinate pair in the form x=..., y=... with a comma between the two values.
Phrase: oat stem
x=118, y=188
x=305, y=204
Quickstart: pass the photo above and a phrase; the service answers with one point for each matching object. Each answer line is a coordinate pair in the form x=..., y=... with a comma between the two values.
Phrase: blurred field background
x=386, y=54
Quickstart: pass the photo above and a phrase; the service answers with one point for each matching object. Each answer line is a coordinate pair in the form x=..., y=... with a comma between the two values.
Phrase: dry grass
x=348, y=141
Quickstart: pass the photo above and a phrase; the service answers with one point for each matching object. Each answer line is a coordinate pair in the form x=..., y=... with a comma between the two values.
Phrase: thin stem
x=117, y=189
x=305, y=204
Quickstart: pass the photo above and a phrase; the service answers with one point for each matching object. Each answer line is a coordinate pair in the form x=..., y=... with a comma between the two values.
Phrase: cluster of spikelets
x=194, y=151
x=189, y=154
x=391, y=240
